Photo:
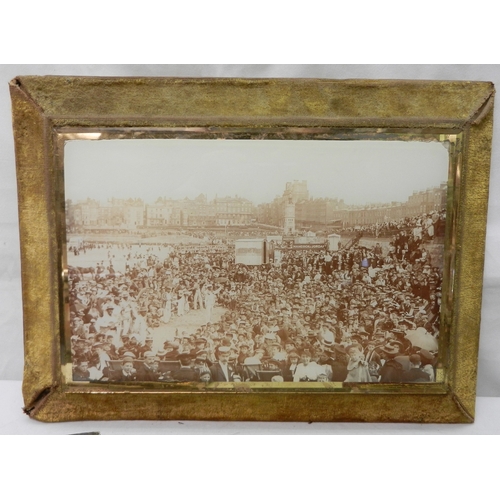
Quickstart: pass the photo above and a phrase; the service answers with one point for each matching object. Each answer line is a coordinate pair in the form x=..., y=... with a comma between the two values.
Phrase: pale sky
x=358, y=172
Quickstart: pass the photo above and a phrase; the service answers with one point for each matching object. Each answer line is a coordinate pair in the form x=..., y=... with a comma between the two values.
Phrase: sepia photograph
x=197, y=260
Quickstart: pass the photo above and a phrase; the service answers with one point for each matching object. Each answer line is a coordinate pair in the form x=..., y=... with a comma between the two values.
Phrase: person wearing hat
x=221, y=370
x=357, y=367
x=134, y=345
x=289, y=346
x=326, y=335
x=125, y=347
x=337, y=359
x=276, y=352
x=415, y=373
x=373, y=359
x=392, y=371
x=109, y=322
x=126, y=313
x=201, y=362
x=160, y=354
x=269, y=339
x=256, y=359
x=127, y=373
x=99, y=361
x=81, y=349
x=428, y=363
x=291, y=366
x=242, y=337
x=172, y=350
x=200, y=343
x=148, y=370
x=210, y=300
x=251, y=365
x=167, y=305
x=186, y=343
x=148, y=346
x=197, y=296
x=92, y=328
x=111, y=348
x=272, y=365
x=139, y=325
x=78, y=327
x=205, y=376
x=244, y=351
x=100, y=337
x=229, y=337
x=186, y=373
x=257, y=325
x=81, y=370
x=307, y=370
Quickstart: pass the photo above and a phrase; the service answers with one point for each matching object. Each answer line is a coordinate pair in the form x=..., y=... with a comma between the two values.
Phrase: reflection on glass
x=194, y=260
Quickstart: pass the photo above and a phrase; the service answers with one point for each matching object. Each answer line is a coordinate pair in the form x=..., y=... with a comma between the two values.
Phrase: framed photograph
x=228, y=249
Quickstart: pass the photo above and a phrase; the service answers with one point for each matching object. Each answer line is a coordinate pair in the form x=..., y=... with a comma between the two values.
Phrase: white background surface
x=10, y=423
x=11, y=354
x=256, y=466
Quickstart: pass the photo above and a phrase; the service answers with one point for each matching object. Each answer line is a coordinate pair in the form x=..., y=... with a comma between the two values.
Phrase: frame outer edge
x=36, y=261
x=239, y=406
x=472, y=242
x=239, y=99
x=46, y=400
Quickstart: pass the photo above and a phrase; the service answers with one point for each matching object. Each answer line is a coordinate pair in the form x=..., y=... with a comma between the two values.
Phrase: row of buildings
x=130, y=214
x=293, y=211
x=420, y=202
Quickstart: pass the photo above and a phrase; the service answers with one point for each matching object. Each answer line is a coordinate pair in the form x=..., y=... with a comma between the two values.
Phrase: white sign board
x=249, y=252
x=333, y=242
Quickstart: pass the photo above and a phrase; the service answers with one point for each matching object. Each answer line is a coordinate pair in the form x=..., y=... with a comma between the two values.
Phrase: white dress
x=180, y=305
x=167, y=310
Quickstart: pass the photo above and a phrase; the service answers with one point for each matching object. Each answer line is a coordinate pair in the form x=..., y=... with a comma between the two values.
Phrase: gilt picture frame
x=208, y=129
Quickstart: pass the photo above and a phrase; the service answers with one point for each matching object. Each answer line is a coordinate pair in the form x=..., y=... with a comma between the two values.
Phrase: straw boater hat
x=355, y=345
x=391, y=348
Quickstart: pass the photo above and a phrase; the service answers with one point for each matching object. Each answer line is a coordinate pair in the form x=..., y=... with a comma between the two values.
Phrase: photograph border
x=46, y=107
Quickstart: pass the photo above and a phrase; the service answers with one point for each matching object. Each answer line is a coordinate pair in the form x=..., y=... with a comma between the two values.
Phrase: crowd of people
x=426, y=226
x=361, y=314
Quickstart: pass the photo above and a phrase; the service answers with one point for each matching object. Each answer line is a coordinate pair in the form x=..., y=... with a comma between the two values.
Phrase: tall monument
x=289, y=219
x=295, y=192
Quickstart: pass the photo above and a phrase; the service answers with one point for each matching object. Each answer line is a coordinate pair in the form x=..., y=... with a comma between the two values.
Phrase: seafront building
x=292, y=212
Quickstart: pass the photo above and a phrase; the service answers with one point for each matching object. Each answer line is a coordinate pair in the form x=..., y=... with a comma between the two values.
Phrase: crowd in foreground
x=363, y=314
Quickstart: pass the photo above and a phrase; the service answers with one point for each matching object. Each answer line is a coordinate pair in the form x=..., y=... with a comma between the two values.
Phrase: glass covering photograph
x=203, y=261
